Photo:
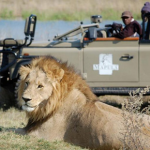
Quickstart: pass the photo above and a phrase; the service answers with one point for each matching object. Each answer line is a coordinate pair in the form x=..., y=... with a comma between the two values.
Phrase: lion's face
x=37, y=88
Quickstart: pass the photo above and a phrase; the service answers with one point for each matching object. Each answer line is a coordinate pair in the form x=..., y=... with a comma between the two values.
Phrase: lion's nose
x=26, y=99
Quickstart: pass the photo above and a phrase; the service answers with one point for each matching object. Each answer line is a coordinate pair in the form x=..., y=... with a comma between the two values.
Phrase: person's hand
x=117, y=27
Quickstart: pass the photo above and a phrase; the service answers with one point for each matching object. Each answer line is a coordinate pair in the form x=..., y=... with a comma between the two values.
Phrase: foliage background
x=69, y=9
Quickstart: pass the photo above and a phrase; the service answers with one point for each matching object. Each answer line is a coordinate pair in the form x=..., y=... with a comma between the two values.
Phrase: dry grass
x=10, y=141
x=69, y=9
x=12, y=118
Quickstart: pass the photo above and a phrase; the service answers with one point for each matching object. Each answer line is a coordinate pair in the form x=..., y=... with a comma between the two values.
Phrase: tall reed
x=69, y=9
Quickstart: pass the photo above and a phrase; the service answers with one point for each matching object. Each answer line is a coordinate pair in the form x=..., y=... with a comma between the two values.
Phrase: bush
x=133, y=120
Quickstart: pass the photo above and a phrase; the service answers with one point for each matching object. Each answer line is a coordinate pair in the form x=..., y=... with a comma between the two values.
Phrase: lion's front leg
x=21, y=131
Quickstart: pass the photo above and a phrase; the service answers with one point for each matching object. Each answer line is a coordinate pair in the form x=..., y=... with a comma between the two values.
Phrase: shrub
x=133, y=120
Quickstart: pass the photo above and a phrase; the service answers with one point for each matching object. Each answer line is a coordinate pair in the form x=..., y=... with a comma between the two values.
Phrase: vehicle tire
x=16, y=91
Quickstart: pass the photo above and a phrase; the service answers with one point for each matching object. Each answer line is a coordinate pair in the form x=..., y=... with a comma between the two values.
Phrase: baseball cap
x=126, y=14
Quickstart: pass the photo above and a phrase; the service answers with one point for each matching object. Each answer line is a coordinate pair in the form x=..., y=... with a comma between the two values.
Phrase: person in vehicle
x=145, y=9
x=131, y=26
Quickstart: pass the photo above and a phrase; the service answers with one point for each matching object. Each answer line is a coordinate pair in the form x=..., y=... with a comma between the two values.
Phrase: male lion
x=61, y=106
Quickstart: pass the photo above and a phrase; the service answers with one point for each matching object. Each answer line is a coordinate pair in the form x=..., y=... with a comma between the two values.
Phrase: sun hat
x=146, y=7
x=126, y=14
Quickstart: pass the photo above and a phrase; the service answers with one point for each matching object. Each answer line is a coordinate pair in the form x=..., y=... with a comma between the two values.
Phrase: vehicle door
x=111, y=59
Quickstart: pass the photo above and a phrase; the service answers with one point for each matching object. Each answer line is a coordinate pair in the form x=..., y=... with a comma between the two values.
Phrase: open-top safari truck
x=109, y=65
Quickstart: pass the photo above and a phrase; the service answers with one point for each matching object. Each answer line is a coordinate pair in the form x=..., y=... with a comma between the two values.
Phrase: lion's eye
x=40, y=86
x=26, y=84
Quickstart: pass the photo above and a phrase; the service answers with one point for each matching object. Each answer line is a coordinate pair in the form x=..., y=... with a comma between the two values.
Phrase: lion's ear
x=24, y=71
x=59, y=75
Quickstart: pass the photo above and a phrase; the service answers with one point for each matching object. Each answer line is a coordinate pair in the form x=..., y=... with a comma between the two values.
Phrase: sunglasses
x=125, y=17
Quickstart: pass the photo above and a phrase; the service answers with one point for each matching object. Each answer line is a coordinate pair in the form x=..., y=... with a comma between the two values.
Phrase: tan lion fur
x=61, y=106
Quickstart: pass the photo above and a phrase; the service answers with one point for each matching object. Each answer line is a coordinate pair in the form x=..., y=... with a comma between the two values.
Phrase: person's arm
x=138, y=29
x=126, y=32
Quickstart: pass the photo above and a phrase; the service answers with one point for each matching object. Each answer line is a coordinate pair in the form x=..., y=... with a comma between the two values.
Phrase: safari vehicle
x=109, y=65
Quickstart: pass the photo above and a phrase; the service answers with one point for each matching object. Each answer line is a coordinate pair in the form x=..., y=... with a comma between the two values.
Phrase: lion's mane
x=68, y=79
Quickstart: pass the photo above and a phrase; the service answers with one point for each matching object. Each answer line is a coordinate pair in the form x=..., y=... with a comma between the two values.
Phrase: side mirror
x=30, y=24
x=29, y=29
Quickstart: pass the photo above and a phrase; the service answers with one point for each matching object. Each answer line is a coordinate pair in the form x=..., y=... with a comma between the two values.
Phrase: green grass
x=67, y=16
x=7, y=14
x=14, y=118
x=107, y=14
x=11, y=141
